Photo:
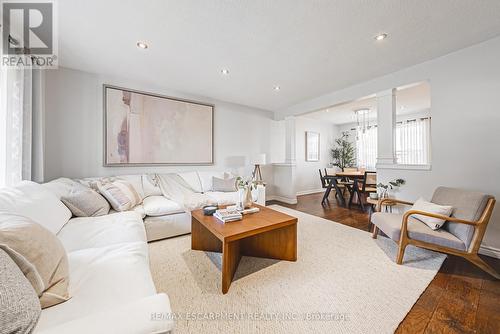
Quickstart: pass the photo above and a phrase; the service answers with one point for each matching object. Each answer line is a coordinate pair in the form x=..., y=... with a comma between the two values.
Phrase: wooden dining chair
x=331, y=181
x=369, y=183
x=324, y=181
x=350, y=169
x=461, y=234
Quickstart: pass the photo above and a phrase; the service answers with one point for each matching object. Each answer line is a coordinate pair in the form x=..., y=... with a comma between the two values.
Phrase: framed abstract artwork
x=149, y=129
x=312, y=146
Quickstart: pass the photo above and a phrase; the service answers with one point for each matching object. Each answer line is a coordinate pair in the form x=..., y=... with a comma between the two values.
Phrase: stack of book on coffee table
x=228, y=215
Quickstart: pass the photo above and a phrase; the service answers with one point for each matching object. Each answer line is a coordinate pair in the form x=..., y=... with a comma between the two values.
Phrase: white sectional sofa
x=164, y=218
x=110, y=282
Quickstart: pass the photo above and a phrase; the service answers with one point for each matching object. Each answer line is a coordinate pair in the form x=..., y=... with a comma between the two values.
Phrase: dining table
x=354, y=190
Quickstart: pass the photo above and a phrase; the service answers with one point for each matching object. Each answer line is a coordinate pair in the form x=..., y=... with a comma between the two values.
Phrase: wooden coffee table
x=268, y=233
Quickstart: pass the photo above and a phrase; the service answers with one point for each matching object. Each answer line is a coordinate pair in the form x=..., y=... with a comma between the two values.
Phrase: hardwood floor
x=460, y=299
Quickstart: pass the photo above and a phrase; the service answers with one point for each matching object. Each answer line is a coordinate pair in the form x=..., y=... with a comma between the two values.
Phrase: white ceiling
x=307, y=47
x=410, y=99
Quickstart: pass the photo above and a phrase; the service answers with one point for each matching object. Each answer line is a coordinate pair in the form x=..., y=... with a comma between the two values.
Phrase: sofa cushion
x=102, y=278
x=167, y=226
x=224, y=185
x=19, y=304
x=223, y=198
x=120, y=194
x=467, y=205
x=92, y=232
x=151, y=186
x=390, y=224
x=32, y=200
x=85, y=202
x=39, y=254
x=160, y=206
x=61, y=186
x=193, y=180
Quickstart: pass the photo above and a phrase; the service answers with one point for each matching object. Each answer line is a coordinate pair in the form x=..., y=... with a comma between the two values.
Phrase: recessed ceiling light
x=381, y=37
x=276, y=88
x=224, y=71
x=142, y=45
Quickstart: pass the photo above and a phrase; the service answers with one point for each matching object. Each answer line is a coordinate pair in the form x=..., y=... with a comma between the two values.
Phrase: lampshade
x=259, y=159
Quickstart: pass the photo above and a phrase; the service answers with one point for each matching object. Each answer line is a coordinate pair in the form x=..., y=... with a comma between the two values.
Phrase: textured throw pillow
x=39, y=254
x=19, y=304
x=224, y=185
x=120, y=194
x=434, y=223
x=85, y=202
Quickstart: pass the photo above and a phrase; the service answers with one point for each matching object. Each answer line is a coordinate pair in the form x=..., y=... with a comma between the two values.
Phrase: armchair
x=461, y=235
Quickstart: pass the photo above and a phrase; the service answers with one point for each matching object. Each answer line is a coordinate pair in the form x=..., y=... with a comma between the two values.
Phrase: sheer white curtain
x=15, y=125
x=413, y=142
x=366, y=147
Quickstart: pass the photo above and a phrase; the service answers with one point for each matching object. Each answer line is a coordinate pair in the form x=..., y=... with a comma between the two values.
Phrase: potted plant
x=384, y=188
x=344, y=152
x=245, y=188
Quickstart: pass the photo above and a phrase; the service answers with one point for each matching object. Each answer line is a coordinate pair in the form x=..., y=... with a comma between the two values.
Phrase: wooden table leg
x=279, y=244
x=202, y=239
x=231, y=257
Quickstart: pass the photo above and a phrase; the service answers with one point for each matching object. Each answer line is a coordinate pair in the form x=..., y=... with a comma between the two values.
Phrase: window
x=366, y=147
x=413, y=141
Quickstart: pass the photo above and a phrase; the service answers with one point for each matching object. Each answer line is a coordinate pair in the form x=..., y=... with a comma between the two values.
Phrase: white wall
x=307, y=176
x=74, y=128
x=465, y=90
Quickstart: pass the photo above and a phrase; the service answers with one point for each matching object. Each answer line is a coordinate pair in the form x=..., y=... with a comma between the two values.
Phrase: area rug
x=343, y=282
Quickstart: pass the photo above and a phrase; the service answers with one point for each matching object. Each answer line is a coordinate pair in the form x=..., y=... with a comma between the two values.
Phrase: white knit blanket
x=176, y=189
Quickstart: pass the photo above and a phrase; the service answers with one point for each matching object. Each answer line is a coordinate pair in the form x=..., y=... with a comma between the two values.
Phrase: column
x=386, y=127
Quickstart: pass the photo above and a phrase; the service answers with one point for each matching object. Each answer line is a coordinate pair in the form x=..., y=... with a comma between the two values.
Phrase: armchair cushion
x=467, y=205
x=390, y=224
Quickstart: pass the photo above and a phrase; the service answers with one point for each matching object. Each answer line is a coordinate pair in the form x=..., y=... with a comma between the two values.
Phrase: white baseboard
x=286, y=200
x=312, y=191
x=490, y=251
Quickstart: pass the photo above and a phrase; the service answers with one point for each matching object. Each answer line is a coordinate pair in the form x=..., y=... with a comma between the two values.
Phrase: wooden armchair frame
x=471, y=254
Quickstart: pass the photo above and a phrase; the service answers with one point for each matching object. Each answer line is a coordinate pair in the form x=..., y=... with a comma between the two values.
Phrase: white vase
x=245, y=197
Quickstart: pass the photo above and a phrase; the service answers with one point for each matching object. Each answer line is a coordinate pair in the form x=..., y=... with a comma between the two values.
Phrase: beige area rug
x=343, y=282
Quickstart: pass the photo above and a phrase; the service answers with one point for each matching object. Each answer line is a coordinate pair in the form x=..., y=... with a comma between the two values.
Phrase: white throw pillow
x=160, y=206
x=34, y=201
x=434, y=223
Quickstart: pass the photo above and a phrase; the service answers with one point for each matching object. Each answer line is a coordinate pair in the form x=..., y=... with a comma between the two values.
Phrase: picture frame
x=312, y=146
x=147, y=129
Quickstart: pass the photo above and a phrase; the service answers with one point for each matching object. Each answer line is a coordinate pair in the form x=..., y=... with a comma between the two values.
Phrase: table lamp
x=258, y=160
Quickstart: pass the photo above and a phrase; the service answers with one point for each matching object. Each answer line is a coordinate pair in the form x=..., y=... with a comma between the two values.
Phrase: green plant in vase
x=384, y=188
x=245, y=187
x=344, y=152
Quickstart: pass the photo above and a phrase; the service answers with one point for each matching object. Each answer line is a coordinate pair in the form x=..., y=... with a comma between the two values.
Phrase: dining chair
x=324, y=181
x=369, y=183
x=461, y=235
x=331, y=181
x=350, y=169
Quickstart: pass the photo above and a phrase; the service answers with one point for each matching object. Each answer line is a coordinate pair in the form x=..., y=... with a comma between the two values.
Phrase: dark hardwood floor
x=460, y=299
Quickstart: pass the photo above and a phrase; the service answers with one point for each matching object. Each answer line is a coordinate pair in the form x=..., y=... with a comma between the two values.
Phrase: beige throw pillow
x=433, y=223
x=224, y=185
x=120, y=194
x=85, y=202
x=39, y=254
